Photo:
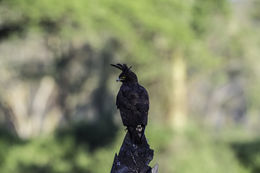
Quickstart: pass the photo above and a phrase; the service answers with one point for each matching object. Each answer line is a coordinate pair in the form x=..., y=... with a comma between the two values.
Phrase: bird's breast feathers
x=130, y=97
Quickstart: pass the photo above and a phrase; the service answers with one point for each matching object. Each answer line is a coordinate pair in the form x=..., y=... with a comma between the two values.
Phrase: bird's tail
x=136, y=133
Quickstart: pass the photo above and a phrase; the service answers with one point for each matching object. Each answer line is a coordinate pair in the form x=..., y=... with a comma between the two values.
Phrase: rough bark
x=134, y=158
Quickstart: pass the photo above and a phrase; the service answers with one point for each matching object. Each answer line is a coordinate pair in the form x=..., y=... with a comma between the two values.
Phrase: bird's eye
x=123, y=77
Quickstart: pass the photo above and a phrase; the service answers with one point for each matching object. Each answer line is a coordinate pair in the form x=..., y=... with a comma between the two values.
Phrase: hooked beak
x=118, y=80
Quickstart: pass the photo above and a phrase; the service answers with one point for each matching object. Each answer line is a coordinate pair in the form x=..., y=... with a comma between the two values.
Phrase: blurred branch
x=9, y=118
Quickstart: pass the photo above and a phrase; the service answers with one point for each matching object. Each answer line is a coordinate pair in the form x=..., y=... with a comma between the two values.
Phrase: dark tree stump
x=133, y=158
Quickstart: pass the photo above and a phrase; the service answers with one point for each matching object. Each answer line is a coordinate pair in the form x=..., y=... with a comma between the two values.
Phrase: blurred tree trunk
x=31, y=109
x=178, y=109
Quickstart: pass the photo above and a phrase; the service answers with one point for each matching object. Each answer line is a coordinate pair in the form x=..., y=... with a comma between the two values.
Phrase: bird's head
x=126, y=75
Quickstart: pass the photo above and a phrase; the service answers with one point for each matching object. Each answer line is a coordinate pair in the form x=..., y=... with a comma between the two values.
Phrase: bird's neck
x=130, y=83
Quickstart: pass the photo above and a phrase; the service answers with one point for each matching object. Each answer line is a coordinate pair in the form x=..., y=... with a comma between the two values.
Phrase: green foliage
x=248, y=152
x=43, y=155
x=194, y=150
x=204, y=12
x=49, y=154
x=255, y=11
x=141, y=27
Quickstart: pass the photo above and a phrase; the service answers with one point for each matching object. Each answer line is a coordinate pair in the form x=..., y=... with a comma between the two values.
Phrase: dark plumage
x=133, y=102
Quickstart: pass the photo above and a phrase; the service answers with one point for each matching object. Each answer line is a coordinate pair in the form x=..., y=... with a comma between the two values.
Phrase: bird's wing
x=142, y=100
x=133, y=104
x=123, y=100
x=134, y=99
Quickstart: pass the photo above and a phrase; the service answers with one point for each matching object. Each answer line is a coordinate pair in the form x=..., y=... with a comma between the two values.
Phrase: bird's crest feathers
x=122, y=67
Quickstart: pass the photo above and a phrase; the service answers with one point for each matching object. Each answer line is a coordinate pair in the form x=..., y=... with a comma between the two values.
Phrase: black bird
x=133, y=102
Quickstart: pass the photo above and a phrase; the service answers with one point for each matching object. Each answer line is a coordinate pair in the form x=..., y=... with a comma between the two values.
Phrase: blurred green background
x=198, y=59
